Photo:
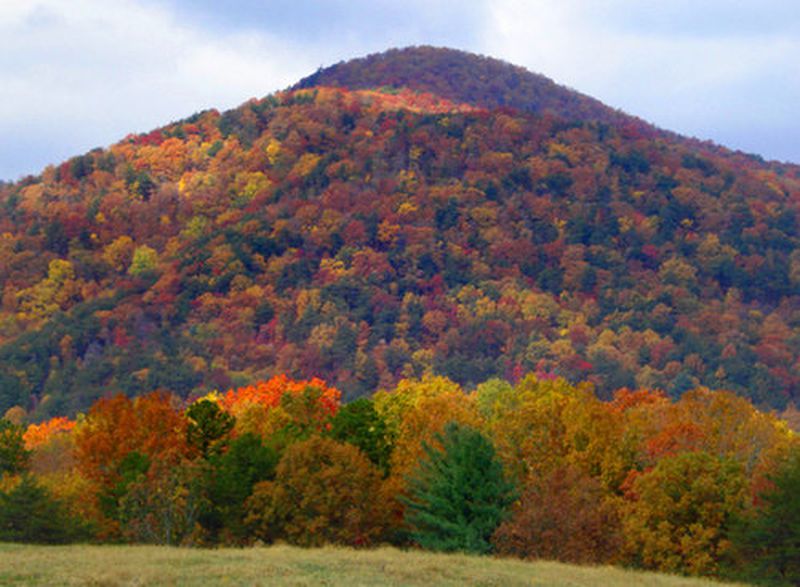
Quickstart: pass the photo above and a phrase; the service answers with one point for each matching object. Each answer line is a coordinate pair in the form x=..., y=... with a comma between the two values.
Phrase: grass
x=283, y=565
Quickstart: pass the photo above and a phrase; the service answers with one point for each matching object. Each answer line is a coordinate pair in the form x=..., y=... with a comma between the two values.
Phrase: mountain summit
x=417, y=211
x=465, y=77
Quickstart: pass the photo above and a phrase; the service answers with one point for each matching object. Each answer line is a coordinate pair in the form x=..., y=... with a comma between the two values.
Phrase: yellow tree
x=118, y=254
x=52, y=447
x=543, y=424
x=679, y=513
x=416, y=410
x=56, y=292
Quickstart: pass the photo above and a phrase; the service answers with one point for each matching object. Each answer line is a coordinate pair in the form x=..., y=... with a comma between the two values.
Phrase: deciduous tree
x=681, y=511
x=323, y=492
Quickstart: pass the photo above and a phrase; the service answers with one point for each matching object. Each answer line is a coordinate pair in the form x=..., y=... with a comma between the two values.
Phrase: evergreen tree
x=459, y=494
x=232, y=475
x=359, y=424
x=770, y=541
x=13, y=456
x=207, y=426
x=28, y=513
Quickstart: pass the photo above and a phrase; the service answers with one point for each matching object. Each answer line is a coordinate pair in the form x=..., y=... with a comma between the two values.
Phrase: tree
x=281, y=403
x=324, y=492
x=28, y=513
x=359, y=424
x=207, y=425
x=231, y=476
x=564, y=515
x=415, y=412
x=114, y=428
x=119, y=253
x=681, y=512
x=145, y=259
x=55, y=292
x=458, y=494
x=51, y=446
x=546, y=423
x=14, y=457
x=491, y=395
x=770, y=540
x=163, y=504
x=119, y=440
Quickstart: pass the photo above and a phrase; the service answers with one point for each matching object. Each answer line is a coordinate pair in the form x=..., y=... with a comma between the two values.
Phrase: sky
x=80, y=74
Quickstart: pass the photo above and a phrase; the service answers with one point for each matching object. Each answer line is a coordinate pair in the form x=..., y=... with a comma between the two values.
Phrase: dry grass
x=283, y=565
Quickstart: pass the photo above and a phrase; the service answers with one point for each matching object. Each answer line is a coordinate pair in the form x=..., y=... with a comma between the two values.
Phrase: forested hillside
x=366, y=235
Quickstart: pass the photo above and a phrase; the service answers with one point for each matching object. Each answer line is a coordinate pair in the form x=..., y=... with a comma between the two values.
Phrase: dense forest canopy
x=422, y=211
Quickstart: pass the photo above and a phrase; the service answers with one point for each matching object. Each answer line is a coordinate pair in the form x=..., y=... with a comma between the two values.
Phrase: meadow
x=284, y=565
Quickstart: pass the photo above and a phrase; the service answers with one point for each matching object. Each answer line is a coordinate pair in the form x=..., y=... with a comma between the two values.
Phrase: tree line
x=702, y=485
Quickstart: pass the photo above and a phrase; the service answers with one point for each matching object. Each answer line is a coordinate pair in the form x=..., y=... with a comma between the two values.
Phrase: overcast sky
x=78, y=74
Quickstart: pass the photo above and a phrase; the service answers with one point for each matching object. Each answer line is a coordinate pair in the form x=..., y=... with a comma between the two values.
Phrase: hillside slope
x=367, y=235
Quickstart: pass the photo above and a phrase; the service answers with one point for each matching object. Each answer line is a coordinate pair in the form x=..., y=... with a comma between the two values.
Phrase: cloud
x=685, y=66
x=338, y=23
x=87, y=72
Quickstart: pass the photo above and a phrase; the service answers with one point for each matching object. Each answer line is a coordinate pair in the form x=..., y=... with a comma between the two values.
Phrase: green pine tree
x=770, y=541
x=359, y=424
x=208, y=426
x=28, y=513
x=459, y=494
x=13, y=456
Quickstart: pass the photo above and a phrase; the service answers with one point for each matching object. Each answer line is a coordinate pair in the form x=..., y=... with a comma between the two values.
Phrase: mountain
x=414, y=211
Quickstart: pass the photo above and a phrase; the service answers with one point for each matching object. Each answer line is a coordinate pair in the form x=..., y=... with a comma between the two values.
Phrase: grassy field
x=283, y=565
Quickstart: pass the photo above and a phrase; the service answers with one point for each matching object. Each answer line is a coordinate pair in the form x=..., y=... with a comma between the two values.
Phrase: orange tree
x=293, y=408
x=120, y=438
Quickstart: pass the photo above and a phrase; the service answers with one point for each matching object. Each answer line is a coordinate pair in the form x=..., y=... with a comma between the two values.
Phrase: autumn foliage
x=419, y=212
x=323, y=492
x=38, y=434
x=268, y=394
x=452, y=242
x=537, y=469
